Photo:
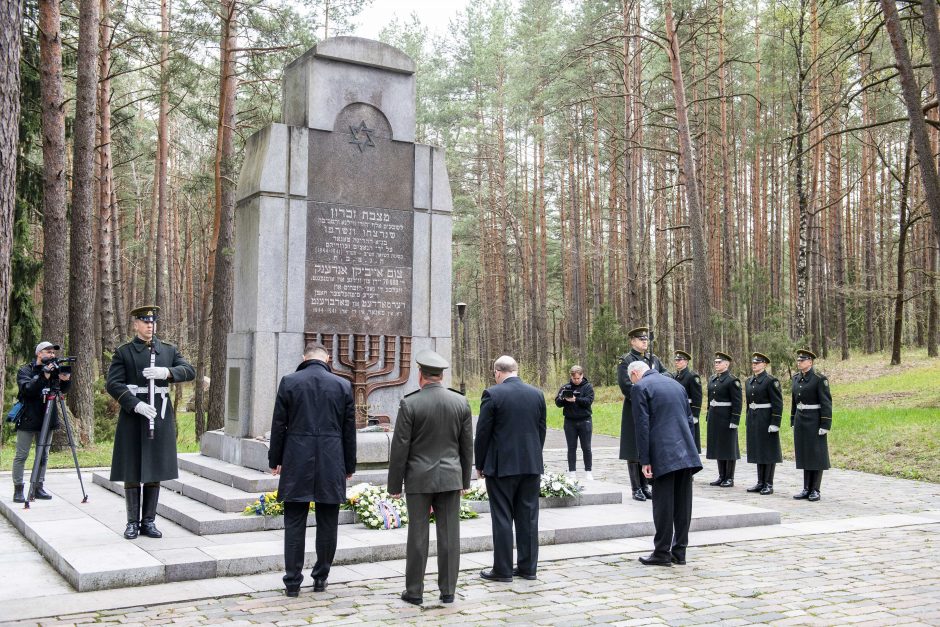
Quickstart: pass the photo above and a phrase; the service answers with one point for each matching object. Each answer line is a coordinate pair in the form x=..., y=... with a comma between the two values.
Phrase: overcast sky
x=434, y=14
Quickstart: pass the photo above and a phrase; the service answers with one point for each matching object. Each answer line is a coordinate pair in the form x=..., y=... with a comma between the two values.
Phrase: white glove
x=773, y=429
x=732, y=426
x=694, y=421
x=823, y=431
x=156, y=372
x=146, y=410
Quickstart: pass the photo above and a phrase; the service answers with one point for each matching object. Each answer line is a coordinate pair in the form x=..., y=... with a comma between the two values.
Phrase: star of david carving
x=361, y=135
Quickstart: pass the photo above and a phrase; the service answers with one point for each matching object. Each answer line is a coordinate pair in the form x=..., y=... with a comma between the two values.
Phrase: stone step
x=83, y=541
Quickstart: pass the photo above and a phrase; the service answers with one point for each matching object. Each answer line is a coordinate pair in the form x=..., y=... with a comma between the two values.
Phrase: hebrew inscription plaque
x=359, y=269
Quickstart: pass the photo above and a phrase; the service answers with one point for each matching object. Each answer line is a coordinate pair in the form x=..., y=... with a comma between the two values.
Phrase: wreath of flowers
x=555, y=485
x=477, y=492
x=364, y=498
x=268, y=504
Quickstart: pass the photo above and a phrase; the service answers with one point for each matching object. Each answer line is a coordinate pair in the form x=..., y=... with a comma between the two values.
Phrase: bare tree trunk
x=700, y=306
x=11, y=22
x=106, y=207
x=802, y=265
x=904, y=229
x=933, y=315
x=835, y=210
x=915, y=112
x=82, y=257
x=161, y=268
x=55, y=248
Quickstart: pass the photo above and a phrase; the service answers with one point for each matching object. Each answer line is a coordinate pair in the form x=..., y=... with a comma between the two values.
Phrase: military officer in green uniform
x=639, y=351
x=764, y=409
x=811, y=419
x=724, y=414
x=137, y=458
x=432, y=454
x=692, y=383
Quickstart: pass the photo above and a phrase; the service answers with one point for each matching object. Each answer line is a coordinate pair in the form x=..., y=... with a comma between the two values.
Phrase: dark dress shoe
x=813, y=496
x=757, y=488
x=132, y=530
x=802, y=495
x=653, y=561
x=727, y=483
x=638, y=495
x=767, y=489
x=319, y=584
x=447, y=598
x=412, y=600
x=679, y=561
x=717, y=481
x=516, y=573
x=648, y=493
x=292, y=592
x=150, y=530
x=490, y=576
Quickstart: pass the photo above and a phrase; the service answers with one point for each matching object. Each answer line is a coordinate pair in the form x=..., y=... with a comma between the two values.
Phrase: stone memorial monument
x=342, y=235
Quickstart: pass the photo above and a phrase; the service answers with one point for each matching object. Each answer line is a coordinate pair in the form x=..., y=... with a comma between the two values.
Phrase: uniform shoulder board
x=411, y=393
x=737, y=383
x=456, y=391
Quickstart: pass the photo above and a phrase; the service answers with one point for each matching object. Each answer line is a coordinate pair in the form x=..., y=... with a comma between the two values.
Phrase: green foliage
x=106, y=413
x=605, y=343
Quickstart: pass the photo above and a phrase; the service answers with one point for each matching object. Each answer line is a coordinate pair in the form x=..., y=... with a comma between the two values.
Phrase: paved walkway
x=868, y=554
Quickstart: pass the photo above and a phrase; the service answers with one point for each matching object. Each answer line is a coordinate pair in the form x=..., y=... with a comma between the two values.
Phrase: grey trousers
x=24, y=442
x=447, y=516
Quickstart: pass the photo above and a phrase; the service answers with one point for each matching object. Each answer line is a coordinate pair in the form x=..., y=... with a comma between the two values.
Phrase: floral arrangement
x=465, y=513
x=559, y=485
x=267, y=505
x=363, y=499
x=477, y=492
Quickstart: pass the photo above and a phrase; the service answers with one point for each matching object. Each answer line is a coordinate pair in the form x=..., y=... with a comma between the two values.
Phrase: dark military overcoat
x=692, y=383
x=724, y=408
x=627, y=428
x=812, y=390
x=136, y=458
x=763, y=447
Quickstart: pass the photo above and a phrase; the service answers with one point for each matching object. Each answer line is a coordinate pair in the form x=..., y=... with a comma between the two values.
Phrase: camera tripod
x=54, y=403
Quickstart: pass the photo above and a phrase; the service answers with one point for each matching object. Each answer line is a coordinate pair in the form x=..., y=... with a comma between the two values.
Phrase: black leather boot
x=18, y=496
x=814, y=486
x=645, y=485
x=149, y=512
x=760, y=479
x=636, y=487
x=132, y=501
x=768, y=479
x=807, y=477
x=721, y=474
x=40, y=493
x=729, y=474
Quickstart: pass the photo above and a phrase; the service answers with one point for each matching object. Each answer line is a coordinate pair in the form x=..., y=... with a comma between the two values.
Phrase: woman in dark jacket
x=576, y=397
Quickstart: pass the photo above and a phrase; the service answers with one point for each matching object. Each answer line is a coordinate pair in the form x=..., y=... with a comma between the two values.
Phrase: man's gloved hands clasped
x=146, y=410
x=156, y=372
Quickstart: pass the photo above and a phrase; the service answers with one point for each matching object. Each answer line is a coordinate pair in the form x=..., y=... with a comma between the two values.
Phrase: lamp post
x=461, y=312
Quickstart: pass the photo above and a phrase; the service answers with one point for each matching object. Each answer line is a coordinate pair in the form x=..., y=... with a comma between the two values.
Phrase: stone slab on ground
x=83, y=541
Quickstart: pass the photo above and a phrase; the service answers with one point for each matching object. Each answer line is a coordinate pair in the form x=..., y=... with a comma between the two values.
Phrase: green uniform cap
x=759, y=357
x=721, y=355
x=639, y=332
x=683, y=355
x=805, y=353
x=147, y=313
x=431, y=363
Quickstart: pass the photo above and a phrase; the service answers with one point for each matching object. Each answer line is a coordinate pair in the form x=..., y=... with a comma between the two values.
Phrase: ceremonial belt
x=720, y=403
x=136, y=390
x=759, y=405
x=802, y=406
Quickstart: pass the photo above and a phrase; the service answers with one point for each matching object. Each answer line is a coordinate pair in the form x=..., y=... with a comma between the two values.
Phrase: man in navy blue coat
x=668, y=456
x=508, y=450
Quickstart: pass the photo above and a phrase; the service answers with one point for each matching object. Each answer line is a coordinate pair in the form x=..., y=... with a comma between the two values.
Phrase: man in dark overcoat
x=313, y=449
x=639, y=351
x=764, y=411
x=724, y=414
x=668, y=456
x=811, y=419
x=137, y=459
x=692, y=382
x=432, y=454
x=509, y=439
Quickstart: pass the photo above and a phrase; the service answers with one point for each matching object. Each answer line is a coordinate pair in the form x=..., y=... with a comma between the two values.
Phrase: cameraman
x=576, y=397
x=32, y=379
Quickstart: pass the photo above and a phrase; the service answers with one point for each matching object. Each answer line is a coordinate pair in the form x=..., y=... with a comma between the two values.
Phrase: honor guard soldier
x=811, y=419
x=145, y=439
x=764, y=409
x=639, y=347
x=692, y=383
x=724, y=413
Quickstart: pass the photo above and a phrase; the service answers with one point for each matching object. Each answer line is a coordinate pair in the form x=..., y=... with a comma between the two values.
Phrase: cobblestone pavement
x=873, y=577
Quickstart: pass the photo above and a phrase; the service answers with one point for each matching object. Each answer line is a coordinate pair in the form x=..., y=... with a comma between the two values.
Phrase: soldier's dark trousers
x=637, y=480
x=769, y=469
x=446, y=507
x=812, y=480
x=514, y=501
x=295, y=530
x=672, y=514
x=726, y=468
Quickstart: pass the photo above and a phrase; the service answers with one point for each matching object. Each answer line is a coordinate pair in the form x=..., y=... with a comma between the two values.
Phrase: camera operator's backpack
x=16, y=412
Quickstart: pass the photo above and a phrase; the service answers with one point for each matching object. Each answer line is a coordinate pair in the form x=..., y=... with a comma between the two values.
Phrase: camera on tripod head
x=60, y=365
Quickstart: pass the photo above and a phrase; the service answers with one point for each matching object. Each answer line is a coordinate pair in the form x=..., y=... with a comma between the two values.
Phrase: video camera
x=62, y=365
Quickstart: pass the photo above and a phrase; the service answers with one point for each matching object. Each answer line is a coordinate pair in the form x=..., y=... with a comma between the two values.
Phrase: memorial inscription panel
x=359, y=269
